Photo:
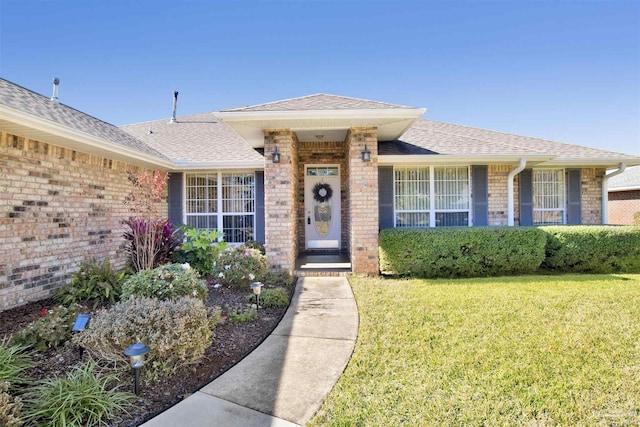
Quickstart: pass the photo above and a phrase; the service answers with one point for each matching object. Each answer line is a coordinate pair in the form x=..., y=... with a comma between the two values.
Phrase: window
x=548, y=196
x=431, y=196
x=222, y=201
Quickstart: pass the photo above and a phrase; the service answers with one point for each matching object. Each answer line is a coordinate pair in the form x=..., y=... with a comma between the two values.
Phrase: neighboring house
x=316, y=173
x=624, y=197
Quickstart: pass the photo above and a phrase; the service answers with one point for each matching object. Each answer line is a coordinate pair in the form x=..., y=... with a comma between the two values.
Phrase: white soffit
x=391, y=123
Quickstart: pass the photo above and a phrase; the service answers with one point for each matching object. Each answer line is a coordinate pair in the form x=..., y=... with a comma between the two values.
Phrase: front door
x=322, y=207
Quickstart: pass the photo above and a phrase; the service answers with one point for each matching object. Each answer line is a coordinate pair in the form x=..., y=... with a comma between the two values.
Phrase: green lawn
x=531, y=350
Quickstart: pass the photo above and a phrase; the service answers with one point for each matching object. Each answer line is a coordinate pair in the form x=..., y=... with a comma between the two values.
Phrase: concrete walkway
x=284, y=381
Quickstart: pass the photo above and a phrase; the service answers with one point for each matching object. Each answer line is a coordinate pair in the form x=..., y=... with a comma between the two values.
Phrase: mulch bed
x=231, y=343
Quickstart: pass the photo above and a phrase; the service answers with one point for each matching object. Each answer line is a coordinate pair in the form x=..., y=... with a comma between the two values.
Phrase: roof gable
x=320, y=101
x=627, y=180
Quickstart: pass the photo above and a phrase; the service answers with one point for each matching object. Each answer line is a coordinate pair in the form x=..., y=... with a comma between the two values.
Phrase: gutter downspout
x=510, y=201
x=605, y=191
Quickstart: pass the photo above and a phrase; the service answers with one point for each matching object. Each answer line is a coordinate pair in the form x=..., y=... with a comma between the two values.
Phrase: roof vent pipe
x=605, y=191
x=56, y=82
x=175, y=104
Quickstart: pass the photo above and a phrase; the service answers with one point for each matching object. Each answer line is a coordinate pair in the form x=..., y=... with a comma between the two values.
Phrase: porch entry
x=322, y=222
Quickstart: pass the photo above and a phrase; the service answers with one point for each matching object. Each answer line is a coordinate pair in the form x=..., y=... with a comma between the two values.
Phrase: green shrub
x=49, y=331
x=178, y=332
x=274, y=298
x=239, y=267
x=169, y=281
x=82, y=398
x=214, y=314
x=10, y=407
x=592, y=249
x=252, y=244
x=14, y=363
x=239, y=315
x=461, y=252
x=200, y=248
x=278, y=278
x=94, y=283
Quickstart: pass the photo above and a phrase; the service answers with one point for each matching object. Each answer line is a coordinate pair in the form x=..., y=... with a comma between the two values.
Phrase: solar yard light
x=81, y=323
x=136, y=354
x=256, y=287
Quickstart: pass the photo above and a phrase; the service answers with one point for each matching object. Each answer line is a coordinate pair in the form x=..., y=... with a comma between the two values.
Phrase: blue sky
x=562, y=70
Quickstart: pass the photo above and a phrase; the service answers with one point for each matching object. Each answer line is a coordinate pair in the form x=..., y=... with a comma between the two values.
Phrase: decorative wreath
x=322, y=192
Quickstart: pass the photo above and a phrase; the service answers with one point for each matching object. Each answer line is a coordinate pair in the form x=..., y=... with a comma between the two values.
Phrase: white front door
x=322, y=220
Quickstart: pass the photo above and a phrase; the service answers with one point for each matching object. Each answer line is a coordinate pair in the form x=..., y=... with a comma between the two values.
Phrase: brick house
x=624, y=196
x=316, y=174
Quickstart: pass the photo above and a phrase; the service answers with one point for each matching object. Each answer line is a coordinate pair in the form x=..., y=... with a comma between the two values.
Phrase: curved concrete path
x=284, y=381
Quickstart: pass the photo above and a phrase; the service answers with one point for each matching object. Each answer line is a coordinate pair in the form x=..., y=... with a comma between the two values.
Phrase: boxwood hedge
x=592, y=249
x=461, y=252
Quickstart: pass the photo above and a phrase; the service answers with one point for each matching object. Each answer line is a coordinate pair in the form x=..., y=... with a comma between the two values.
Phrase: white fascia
x=28, y=120
x=192, y=166
x=603, y=162
x=387, y=160
x=234, y=116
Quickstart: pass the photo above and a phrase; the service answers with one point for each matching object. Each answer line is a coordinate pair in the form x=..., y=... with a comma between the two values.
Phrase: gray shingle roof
x=432, y=137
x=630, y=178
x=319, y=101
x=27, y=101
x=198, y=139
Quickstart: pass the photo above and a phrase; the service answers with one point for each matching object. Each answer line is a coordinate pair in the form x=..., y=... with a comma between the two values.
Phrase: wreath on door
x=322, y=192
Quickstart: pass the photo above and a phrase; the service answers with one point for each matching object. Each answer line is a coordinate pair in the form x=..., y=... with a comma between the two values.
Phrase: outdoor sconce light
x=366, y=154
x=136, y=354
x=81, y=323
x=256, y=287
x=275, y=156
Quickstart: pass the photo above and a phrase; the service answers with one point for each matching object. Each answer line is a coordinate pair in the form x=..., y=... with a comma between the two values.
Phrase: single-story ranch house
x=315, y=173
x=624, y=197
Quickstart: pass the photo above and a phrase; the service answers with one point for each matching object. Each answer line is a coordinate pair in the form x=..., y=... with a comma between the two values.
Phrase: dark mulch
x=230, y=344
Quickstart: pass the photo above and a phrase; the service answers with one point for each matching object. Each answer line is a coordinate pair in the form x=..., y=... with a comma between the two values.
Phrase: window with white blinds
x=548, y=196
x=431, y=196
x=222, y=201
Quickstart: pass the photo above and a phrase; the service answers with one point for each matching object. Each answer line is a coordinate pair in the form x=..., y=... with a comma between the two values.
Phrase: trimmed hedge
x=592, y=249
x=461, y=252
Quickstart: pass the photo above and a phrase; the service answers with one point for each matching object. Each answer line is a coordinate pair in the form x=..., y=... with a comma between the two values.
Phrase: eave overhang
x=250, y=125
x=450, y=159
x=28, y=125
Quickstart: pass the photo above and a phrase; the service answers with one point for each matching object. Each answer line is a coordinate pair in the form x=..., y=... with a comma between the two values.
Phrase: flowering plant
x=169, y=281
x=239, y=267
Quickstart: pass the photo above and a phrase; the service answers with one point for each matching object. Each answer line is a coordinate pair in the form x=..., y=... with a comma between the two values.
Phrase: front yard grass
x=528, y=350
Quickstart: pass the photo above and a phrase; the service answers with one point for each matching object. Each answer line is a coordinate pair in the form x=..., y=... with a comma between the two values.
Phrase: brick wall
x=58, y=208
x=623, y=205
x=363, y=200
x=497, y=190
x=280, y=190
x=592, y=195
x=322, y=153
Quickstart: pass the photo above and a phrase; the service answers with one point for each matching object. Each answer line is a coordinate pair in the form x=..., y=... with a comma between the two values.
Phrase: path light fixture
x=366, y=154
x=81, y=323
x=136, y=354
x=275, y=156
x=256, y=287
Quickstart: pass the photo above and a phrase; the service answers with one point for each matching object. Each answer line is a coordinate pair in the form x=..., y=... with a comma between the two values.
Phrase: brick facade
x=497, y=194
x=363, y=200
x=591, y=200
x=323, y=153
x=623, y=205
x=280, y=195
x=58, y=208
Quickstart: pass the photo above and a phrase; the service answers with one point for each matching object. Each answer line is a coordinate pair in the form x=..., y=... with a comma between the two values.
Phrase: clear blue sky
x=563, y=70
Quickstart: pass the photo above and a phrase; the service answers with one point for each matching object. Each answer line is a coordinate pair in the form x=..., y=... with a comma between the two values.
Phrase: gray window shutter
x=574, y=192
x=174, y=188
x=385, y=196
x=526, y=197
x=259, y=225
x=479, y=181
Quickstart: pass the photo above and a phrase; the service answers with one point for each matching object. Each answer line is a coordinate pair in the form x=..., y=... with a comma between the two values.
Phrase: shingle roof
x=432, y=137
x=630, y=178
x=27, y=101
x=198, y=139
x=319, y=101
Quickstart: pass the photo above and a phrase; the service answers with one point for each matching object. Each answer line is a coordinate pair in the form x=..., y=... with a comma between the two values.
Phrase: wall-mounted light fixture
x=366, y=154
x=275, y=156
